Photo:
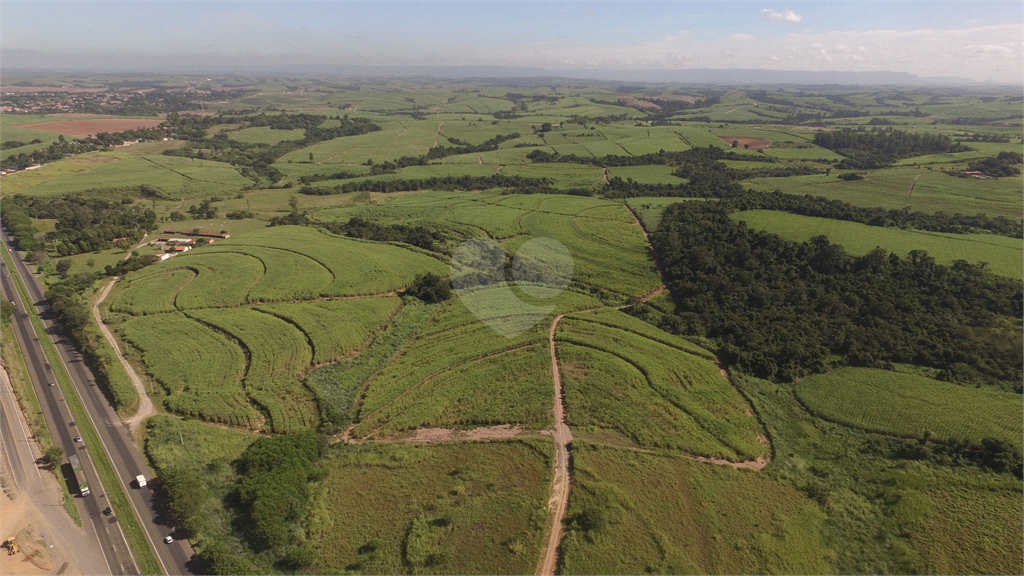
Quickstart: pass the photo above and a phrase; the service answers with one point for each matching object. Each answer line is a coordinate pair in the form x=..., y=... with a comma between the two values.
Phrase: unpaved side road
x=145, y=404
x=560, y=481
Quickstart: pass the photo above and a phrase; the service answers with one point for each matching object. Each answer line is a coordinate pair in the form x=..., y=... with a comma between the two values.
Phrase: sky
x=975, y=40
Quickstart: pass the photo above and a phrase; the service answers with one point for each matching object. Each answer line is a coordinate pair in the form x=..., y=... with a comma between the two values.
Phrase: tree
x=63, y=266
x=310, y=156
x=90, y=262
x=545, y=127
x=54, y=455
x=735, y=143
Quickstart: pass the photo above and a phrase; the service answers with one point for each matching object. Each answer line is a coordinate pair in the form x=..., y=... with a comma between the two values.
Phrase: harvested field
x=750, y=143
x=83, y=128
x=635, y=103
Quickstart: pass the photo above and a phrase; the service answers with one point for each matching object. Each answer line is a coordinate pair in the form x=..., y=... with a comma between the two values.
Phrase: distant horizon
x=978, y=41
x=511, y=74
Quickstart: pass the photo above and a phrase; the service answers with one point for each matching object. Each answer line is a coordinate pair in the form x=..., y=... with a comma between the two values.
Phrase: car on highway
x=53, y=383
x=168, y=539
x=107, y=511
x=78, y=438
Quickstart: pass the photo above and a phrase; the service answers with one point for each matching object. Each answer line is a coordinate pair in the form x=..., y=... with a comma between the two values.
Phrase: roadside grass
x=635, y=513
x=909, y=405
x=473, y=508
x=144, y=554
x=1003, y=255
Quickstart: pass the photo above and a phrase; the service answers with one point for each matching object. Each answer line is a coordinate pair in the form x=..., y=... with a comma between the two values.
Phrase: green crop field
x=635, y=513
x=459, y=509
x=1003, y=255
x=277, y=354
x=456, y=370
x=657, y=394
x=199, y=368
x=908, y=405
x=607, y=246
x=890, y=188
x=174, y=176
x=337, y=328
x=265, y=135
x=152, y=293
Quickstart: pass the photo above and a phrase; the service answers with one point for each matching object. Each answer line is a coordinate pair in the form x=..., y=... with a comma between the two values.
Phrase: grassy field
x=908, y=405
x=458, y=509
x=635, y=513
x=175, y=177
x=1003, y=255
x=890, y=187
x=887, y=514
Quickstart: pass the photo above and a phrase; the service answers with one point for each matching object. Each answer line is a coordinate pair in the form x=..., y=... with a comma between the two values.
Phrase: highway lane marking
x=97, y=534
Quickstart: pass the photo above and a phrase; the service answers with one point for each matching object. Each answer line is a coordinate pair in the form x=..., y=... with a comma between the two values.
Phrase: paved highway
x=38, y=491
x=175, y=558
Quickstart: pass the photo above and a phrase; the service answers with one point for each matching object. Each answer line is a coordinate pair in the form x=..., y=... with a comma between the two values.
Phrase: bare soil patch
x=635, y=103
x=747, y=143
x=91, y=127
x=439, y=435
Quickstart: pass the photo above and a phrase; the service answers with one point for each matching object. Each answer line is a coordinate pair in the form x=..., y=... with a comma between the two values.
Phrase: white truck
x=140, y=480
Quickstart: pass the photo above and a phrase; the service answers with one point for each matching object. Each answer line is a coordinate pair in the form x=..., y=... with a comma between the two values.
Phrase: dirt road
x=560, y=481
x=145, y=404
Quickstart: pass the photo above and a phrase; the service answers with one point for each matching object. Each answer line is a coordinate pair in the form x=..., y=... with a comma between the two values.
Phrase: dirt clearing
x=91, y=127
x=747, y=143
x=636, y=103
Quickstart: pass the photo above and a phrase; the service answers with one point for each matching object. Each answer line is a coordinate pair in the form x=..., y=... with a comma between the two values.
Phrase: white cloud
x=980, y=52
x=787, y=15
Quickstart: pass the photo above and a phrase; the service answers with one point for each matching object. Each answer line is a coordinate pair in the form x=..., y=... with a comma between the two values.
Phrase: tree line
x=782, y=310
x=880, y=148
x=82, y=224
x=447, y=183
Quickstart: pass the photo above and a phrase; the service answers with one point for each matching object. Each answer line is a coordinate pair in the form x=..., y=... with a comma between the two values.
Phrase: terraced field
x=279, y=264
x=653, y=388
x=455, y=372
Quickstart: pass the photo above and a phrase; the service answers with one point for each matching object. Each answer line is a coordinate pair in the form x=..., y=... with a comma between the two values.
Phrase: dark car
x=107, y=511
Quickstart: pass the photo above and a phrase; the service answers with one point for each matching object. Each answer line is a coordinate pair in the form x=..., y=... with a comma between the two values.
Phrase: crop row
x=673, y=399
x=200, y=370
x=278, y=354
x=337, y=327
